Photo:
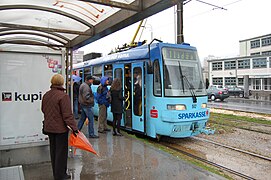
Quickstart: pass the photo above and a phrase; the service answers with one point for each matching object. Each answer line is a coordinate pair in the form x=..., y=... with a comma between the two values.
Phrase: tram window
x=97, y=71
x=118, y=73
x=137, y=74
x=108, y=72
x=81, y=75
x=156, y=79
x=87, y=71
x=97, y=74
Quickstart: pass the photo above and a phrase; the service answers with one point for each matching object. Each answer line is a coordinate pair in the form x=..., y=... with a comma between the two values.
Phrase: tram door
x=118, y=72
x=137, y=89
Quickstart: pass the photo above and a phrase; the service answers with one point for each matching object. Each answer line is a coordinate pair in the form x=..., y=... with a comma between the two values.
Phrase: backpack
x=95, y=97
x=99, y=93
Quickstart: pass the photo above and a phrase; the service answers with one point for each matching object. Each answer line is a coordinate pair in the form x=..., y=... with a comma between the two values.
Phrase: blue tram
x=163, y=87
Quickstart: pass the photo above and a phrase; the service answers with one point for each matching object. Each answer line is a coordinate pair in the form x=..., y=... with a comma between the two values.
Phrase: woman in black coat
x=116, y=105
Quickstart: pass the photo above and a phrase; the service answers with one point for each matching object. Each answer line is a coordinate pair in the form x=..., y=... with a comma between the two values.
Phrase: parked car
x=217, y=92
x=235, y=91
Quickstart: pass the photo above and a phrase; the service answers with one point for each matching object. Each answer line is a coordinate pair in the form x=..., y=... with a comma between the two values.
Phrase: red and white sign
x=154, y=113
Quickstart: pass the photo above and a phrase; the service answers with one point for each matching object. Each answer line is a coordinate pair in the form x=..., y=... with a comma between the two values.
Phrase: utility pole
x=180, y=37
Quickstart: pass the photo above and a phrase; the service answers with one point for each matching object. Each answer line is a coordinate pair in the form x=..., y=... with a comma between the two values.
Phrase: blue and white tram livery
x=163, y=87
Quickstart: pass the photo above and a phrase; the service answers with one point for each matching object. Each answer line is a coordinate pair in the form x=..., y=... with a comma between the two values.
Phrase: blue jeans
x=75, y=107
x=87, y=113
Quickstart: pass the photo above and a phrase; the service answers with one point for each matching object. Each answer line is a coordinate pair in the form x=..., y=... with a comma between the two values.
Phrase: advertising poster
x=24, y=78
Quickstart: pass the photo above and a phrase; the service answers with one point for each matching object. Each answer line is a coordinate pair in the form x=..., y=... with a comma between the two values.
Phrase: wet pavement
x=241, y=104
x=122, y=158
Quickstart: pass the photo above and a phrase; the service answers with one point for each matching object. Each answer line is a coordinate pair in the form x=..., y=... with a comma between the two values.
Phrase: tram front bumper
x=189, y=129
x=184, y=129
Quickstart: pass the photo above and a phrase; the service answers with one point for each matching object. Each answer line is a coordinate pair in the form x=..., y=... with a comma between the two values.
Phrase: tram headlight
x=179, y=107
x=203, y=105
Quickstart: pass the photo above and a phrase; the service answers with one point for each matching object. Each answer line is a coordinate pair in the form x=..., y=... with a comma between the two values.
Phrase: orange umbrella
x=80, y=141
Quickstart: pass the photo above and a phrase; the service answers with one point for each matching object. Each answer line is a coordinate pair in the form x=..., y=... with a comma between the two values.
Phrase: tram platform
x=123, y=158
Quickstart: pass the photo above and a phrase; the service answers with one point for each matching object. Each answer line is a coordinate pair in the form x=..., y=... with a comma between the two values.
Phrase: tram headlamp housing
x=178, y=107
x=204, y=105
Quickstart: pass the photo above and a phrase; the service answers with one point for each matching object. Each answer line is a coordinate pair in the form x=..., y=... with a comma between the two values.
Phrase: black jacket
x=116, y=101
x=76, y=90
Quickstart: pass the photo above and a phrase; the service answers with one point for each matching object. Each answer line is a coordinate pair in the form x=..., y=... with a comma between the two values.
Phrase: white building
x=256, y=46
x=254, y=62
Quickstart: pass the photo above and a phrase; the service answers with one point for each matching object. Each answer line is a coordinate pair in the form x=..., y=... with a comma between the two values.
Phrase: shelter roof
x=70, y=23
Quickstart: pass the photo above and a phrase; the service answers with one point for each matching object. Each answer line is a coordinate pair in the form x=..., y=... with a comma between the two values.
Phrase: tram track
x=221, y=167
x=233, y=148
x=189, y=151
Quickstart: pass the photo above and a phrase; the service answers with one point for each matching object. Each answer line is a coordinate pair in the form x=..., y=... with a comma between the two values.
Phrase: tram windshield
x=182, y=73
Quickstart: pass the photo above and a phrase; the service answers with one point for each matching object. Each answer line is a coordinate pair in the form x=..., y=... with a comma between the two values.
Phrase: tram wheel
x=139, y=135
x=158, y=137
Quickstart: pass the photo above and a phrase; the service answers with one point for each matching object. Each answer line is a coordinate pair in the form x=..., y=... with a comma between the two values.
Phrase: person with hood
x=56, y=107
x=116, y=105
x=103, y=99
x=86, y=100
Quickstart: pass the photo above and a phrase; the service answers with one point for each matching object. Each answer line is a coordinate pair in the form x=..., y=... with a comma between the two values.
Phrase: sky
x=213, y=31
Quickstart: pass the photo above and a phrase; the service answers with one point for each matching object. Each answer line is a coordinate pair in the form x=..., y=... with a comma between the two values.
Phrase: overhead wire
x=213, y=8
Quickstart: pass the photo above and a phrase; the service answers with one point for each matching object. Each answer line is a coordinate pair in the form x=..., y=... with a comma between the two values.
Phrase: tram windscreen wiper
x=190, y=86
x=181, y=73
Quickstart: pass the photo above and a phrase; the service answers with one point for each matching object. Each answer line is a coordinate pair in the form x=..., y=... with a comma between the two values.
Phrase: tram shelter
x=37, y=39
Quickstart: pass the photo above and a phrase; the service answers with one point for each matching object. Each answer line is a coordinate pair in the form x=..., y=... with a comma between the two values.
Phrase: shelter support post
x=246, y=86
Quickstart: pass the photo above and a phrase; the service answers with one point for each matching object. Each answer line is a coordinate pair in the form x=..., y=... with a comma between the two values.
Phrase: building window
x=244, y=64
x=266, y=86
x=240, y=81
x=266, y=41
x=229, y=81
x=217, y=66
x=266, y=53
x=256, y=84
x=218, y=81
x=255, y=44
x=259, y=62
x=255, y=54
x=229, y=65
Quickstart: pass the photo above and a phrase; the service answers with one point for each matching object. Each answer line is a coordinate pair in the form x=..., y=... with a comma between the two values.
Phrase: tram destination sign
x=179, y=54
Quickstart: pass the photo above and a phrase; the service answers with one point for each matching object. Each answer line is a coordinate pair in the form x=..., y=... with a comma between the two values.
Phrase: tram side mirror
x=149, y=67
